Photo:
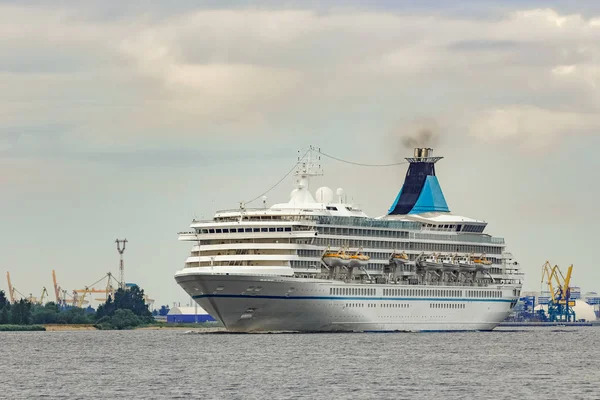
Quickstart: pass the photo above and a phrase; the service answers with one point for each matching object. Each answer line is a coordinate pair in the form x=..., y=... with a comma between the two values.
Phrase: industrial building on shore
x=188, y=315
x=586, y=307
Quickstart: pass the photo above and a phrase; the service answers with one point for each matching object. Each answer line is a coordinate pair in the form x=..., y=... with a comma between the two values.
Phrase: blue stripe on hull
x=243, y=296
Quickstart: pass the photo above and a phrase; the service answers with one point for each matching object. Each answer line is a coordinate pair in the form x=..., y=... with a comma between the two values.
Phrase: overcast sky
x=130, y=119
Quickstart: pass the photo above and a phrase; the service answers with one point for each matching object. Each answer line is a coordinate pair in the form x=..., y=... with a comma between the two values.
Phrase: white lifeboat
x=399, y=258
x=481, y=263
x=336, y=258
x=466, y=264
x=449, y=262
x=431, y=262
x=358, y=260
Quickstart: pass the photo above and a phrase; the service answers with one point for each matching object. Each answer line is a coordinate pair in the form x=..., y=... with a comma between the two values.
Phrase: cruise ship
x=319, y=264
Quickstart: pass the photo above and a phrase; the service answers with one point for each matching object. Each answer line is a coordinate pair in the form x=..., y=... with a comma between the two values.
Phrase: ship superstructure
x=318, y=263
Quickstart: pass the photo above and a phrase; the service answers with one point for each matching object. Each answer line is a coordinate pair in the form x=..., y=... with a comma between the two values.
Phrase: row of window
x=357, y=291
x=364, y=222
x=457, y=228
x=484, y=293
x=468, y=233
x=353, y=222
x=405, y=245
x=357, y=231
x=446, y=305
x=337, y=242
x=423, y=292
x=355, y=305
x=343, y=231
x=405, y=305
x=395, y=305
x=244, y=230
x=385, y=305
x=352, y=291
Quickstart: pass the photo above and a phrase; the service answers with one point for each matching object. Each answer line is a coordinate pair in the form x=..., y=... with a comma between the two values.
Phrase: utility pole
x=121, y=250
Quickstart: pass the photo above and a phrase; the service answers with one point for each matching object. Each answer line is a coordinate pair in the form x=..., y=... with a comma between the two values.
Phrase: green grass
x=20, y=328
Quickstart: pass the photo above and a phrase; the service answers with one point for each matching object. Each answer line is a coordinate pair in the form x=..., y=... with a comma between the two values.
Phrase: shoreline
x=531, y=324
x=67, y=327
x=90, y=327
x=22, y=328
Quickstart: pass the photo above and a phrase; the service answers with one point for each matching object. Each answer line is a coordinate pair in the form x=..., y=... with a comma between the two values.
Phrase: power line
x=326, y=155
x=361, y=164
x=281, y=180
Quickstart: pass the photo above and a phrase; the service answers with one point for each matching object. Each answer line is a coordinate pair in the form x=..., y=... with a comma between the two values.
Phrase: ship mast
x=307, y=168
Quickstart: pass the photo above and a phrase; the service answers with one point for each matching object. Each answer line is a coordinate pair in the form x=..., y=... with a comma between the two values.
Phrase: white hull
x=246, y=303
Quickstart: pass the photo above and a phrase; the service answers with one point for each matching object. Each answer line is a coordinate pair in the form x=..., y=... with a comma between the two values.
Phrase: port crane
x=44, y=294
x=109, y=289
x=560, y=306
x=11, y=289
x=57, y=290
x=61, y=295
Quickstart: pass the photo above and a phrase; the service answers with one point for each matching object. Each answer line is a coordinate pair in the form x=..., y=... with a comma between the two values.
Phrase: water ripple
x=168, y=364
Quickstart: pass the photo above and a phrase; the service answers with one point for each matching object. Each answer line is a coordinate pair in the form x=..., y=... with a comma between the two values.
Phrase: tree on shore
x=24, y=312
x=20, y=312
x=164, y=310
x=127, y=310
x=4, y=308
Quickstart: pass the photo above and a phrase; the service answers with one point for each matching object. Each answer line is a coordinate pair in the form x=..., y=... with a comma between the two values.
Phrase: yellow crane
x=11, y=289
x=560, y=305
x=61, y=294
x=56, y=288
x=44, y=294
x=108, y=291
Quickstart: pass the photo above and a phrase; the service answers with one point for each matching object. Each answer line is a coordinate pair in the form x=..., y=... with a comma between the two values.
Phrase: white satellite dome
x=339, y=192
x=324, y=195
x=584, y=311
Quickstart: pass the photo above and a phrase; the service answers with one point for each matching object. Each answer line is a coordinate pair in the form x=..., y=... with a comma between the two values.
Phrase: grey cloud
x=481, y=44
x=183, y=76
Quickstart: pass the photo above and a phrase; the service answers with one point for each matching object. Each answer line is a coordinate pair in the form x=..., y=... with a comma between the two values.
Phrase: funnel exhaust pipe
x=423, y=152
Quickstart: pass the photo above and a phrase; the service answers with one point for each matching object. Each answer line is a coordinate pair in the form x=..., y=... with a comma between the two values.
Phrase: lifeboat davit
x=358, y=260
x=431, y=263
x=399, y=258
x=466, y=264
x=482, y=263
x=336, y=259
x=449, y=263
